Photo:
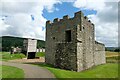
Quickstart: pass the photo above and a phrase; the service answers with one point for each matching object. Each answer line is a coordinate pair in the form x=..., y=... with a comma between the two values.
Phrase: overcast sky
x=26, y=18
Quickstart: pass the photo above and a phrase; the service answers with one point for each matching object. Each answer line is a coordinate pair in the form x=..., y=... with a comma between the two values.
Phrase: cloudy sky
x=26, y=18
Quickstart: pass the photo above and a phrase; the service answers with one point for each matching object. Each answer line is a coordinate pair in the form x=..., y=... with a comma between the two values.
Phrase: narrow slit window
x=68, y=36
x=83, y=28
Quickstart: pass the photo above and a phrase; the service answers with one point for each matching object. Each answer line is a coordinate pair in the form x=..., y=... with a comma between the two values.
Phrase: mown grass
x=40, y=54
x=108, y=70
x=7, y=56
x=11, y=72
x=0, y=71
x=102, y=71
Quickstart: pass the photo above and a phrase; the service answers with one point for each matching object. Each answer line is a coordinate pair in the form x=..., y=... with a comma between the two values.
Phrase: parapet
x=77, y=14
x=56, y=20
x=66, y=17
x=86, y=17
x=92, y=24
x=89, y=21
x=96, y=42
x=48, y=22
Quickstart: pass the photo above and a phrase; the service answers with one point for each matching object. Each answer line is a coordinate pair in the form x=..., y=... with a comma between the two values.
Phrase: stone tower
x=70, y=43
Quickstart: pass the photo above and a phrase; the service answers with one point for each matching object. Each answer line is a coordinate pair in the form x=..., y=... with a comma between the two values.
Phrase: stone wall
x=85, y=43
x=99, y=55
x=55, y=33
x=65, y=56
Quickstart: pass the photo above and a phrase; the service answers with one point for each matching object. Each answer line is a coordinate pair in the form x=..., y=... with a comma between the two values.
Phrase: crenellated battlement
x=87, y=19
x=92, y=24
x=48, y=22
x=56, y=20
x=77, y=15
x=66, y=17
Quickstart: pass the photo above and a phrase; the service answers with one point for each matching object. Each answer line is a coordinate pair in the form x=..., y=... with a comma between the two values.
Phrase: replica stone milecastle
x=71, y=45
x=29, y=48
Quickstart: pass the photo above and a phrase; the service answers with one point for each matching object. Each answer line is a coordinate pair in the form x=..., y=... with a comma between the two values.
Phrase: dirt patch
x=25, y=60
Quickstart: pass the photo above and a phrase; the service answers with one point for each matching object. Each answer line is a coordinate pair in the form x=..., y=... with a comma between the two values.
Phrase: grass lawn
x=0, y=71
x=7, y=56
x=11, y=72
x=109, y=70
x=40, y=54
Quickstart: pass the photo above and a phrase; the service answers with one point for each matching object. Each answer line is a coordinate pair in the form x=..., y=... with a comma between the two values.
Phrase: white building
x=30, y=47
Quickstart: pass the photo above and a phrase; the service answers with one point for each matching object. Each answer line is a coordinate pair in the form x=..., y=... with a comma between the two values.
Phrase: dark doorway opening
x=68, y=36
x=31, y=55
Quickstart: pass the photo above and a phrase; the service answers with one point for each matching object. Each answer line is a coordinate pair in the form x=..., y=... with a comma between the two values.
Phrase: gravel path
x=31, y=71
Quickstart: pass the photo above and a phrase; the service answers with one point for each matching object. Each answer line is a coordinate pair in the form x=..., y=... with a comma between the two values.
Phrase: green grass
x=40, y=54
x=102, y=71
x=7, y=56
x=0, y=71
x=11, y=72
x=108, y=70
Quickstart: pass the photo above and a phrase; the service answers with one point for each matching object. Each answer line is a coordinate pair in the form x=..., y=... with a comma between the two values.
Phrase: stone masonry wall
x=65, y=56
x=99, y=55
x=55, y=33
x=85, y=43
